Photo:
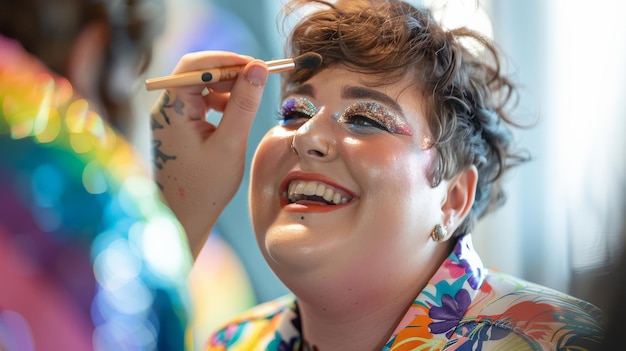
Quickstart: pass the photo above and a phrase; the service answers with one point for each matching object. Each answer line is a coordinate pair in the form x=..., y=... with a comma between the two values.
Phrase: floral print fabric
x=463, y=307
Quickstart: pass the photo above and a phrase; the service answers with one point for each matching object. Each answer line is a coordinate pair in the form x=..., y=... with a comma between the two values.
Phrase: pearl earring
x=439, y=233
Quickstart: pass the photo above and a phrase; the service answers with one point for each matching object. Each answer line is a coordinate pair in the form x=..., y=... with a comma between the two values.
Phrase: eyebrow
x=305, y=89
x=354, y=92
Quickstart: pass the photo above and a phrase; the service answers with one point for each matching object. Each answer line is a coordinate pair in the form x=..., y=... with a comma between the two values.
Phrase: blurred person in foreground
x=363, y=198
x=90, y=257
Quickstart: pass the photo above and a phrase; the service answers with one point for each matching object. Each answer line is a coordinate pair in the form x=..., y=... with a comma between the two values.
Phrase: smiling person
x=363, y=197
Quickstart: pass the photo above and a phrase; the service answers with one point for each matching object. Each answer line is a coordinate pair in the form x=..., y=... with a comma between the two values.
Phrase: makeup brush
x=214, y=75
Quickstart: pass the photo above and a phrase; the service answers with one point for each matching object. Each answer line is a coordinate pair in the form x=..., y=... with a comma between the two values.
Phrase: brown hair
x=466, y=94
x=49, y=28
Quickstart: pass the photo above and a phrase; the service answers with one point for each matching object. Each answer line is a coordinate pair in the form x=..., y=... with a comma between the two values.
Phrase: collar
x=441, y=305
x=435, y=312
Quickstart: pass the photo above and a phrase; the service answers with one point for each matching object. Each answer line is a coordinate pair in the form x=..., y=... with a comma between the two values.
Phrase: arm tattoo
x=177, y=104
x=160, y=157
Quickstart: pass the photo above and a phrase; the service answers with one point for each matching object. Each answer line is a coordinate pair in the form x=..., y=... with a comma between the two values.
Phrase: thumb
x=244, y=102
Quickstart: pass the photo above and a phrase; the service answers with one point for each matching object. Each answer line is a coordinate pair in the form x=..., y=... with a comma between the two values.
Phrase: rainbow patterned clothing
x=463, y=307
x=90, y=256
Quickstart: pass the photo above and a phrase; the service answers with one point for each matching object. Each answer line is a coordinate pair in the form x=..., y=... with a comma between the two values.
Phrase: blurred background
x=562, y=224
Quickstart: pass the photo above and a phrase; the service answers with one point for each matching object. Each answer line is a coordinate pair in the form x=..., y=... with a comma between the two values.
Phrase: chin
x=297, y=249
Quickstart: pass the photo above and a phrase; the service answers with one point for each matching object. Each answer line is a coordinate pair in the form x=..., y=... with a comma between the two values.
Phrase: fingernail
x=256, y=75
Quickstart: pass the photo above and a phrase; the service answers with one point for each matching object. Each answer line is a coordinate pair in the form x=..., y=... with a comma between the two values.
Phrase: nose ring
x=293, y=147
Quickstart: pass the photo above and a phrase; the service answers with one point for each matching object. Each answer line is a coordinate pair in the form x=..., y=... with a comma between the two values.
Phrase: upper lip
x=301, y=186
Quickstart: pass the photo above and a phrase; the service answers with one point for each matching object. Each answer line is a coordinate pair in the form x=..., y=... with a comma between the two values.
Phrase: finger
x=204, y=60
x=223, y=86
x=210, y=59
x=217, y=101
x=243, y=104
x=190, y=101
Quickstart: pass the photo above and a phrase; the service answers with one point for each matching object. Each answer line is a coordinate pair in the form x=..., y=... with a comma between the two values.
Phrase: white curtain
x=564, y=220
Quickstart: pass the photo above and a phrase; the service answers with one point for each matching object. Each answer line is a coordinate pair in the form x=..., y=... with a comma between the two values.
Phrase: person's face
x=351, y=198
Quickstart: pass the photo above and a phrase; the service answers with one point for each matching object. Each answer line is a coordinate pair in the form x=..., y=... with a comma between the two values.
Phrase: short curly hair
x=466, y=93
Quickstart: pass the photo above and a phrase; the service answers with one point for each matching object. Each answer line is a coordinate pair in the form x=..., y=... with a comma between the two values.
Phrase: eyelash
x=357, y=116
x=356, y=121
x=363, y=116
x=361, y=122
x=294, y=109
x=290, y=116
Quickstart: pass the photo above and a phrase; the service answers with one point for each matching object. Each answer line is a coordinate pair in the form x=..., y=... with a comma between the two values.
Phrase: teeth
x=336, y=198
x=298, y=189
x=320, y=190
x=328, y=193
x=310, y=188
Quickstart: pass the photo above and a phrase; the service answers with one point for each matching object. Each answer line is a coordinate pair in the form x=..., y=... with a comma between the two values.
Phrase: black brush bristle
x=310, y=60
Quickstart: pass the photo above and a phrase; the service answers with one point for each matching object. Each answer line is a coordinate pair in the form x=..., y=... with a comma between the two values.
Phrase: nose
x=315, y=139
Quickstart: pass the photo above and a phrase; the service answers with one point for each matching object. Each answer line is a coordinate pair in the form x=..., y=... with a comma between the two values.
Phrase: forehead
x=342, y=84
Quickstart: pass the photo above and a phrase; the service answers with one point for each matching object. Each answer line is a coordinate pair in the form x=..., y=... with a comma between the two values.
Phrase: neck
x=352, y=325
x=361, y=314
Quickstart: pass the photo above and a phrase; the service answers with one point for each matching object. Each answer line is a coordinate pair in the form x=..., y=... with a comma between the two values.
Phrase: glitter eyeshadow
x=371, y=109
x=300, y=105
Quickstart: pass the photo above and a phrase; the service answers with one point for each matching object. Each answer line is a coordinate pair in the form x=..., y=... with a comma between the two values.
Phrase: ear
x=86, y=59
x=460, y=197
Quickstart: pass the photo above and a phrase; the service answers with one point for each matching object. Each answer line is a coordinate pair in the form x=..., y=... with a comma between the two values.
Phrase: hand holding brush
x=214, y=75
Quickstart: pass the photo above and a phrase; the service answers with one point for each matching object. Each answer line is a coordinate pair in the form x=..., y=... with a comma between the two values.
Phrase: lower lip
x=309, y=208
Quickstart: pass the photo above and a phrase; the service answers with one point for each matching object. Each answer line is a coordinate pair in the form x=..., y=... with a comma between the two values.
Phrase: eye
x=362, y=122
x=365, y=116
x=371, y=116
x=296, y=109
x=288, y=117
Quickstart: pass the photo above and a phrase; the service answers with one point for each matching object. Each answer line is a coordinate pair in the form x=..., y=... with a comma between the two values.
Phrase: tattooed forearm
x=166, y=102
x=154, y=123
x=159, y=120
x=160, y=157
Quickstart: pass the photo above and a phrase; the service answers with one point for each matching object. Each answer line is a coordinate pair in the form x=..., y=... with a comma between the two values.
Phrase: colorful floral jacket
x=464, y=307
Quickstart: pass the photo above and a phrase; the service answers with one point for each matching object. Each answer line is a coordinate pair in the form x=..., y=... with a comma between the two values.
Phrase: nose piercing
x=293, y=147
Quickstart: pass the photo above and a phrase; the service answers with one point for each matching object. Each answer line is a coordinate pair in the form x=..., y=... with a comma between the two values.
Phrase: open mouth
x=315, y=192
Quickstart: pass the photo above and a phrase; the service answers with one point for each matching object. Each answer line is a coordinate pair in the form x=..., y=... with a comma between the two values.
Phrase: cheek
x=263, y=173
x=397, y=170
x=398, y=213
x=272, y=148
x=267, y=166
x=398, y=199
